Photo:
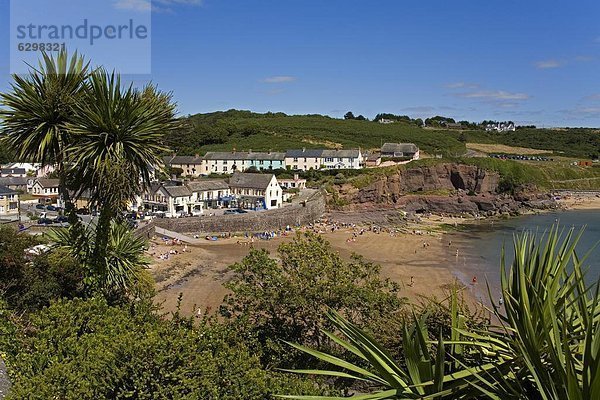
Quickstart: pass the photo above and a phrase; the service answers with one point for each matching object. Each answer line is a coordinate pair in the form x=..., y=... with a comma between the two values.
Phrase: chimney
x=304, y=149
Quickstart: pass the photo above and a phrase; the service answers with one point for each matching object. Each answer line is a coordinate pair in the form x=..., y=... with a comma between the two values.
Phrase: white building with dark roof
x=213, y=193
x=342, y=159
x=305, y=160
x=408, y=151
x=240, y=161
x=256, y=191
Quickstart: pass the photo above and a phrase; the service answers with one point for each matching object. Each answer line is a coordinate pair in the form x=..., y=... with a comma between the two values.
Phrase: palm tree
x=124, y=262
x=547, y=345
x=117, y=145
x=39, y=106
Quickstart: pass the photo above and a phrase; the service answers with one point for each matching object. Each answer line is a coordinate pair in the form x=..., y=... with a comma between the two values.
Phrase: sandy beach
x=581, y=202
x=421, y=254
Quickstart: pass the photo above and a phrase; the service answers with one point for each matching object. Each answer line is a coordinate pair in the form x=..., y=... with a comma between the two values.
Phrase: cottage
x=303, y=160
x=174, y=200
x=342, y=159
x=46, y=188
x=256, y=191
x=295, y=183
x=239, y=161
x=189, y=165
x=408, y=151
x=210, y=193
x=18, y=184
x=9, y=201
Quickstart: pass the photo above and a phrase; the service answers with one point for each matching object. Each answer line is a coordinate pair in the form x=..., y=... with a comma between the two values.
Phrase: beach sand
x=581, y=202
x=200, y=272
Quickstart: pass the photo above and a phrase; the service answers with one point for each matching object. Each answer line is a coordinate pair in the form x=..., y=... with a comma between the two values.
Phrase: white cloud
x=280, y=79
x=462, y=85
x=493, y=95
x=549, y=64
x=582, y=112
x=154, y=5
x=136, y=5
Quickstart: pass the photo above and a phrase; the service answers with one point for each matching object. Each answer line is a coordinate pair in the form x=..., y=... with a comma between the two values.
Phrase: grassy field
x=495, y=148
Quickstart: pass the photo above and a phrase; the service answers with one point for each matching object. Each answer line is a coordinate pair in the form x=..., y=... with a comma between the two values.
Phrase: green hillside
x=244, y=130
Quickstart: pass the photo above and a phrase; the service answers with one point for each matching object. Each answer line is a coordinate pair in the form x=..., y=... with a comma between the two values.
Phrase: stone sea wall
x=292, y=215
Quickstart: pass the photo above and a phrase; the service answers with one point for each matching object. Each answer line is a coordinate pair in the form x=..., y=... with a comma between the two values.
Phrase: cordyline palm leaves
x=124, y=261
x=109, y=137
x=36, y=110
x=547, y=345
x=118, y=141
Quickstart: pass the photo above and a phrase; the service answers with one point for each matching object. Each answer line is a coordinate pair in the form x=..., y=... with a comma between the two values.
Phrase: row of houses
x=295, y=160
x=241, y=191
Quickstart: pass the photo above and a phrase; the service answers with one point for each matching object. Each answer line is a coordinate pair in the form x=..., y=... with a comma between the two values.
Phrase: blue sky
x=528, y=61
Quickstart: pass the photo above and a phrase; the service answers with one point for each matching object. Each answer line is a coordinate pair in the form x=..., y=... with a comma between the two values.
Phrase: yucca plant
x=547, y=345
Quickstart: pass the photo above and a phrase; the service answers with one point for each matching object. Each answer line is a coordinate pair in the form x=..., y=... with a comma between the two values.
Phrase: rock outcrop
x=427, y=179
x=470, y=191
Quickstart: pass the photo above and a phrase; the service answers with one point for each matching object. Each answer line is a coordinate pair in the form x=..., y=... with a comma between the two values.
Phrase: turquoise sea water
x=480, y=246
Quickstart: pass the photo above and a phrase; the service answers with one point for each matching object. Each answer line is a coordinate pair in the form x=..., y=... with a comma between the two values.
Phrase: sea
x=480, y=246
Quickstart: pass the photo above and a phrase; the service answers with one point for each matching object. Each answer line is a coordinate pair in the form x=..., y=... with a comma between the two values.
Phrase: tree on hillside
x=361, y=118
x=349, y=115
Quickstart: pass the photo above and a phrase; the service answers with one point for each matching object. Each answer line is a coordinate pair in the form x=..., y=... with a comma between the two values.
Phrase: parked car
x=44, y=221
x=241, y=211
x=83, y=211
x=60, y=219
x=40, y=206
x=230, y=212
x=51, y=208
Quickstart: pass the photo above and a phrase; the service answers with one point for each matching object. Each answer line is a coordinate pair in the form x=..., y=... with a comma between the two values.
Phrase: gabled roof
x=206, y=185
x=308, y=153
x=399, y=148
x=13, y=181
x=13, y=171
x=177, y=191
x=341, y=153
x=242, y=155
x=182, y=160
x=48, y=183
x=6, y=191
x=250, y=181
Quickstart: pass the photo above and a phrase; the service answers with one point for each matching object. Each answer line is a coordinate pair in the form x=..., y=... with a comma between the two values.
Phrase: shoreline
x=422, y=251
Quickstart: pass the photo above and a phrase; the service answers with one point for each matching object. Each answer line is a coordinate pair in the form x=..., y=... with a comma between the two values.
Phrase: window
x=295, y=159
x=225, y=168
x=329, y=159
x=295, y=167
x=261, y=162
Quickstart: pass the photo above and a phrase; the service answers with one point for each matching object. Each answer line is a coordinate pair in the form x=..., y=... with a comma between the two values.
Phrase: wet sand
x=200, y=272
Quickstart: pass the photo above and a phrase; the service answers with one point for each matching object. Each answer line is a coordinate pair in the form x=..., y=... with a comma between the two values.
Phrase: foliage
x=286, y=298
x=31, y=283
x=122, y=270
x=547, y=345
x=86, y=349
